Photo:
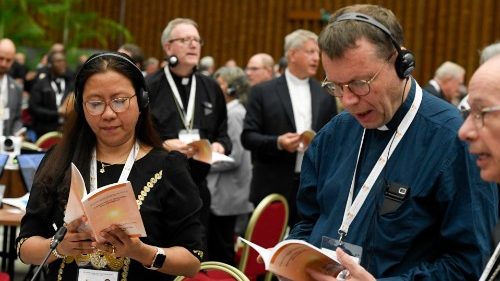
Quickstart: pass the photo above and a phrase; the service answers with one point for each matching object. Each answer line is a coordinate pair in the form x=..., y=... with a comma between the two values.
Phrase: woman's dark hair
x=79, y=140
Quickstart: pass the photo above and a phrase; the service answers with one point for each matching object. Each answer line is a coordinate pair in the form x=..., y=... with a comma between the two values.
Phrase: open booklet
x=110, y=204
x=205, y=153
x=306, y=137
x=291, y=258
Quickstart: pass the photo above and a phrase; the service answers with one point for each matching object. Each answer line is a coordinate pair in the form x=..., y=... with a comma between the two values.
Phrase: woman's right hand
x=76, y=242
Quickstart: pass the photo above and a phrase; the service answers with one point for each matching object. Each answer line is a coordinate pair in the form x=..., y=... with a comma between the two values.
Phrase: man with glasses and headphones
x=186, y=105
x=388, y=181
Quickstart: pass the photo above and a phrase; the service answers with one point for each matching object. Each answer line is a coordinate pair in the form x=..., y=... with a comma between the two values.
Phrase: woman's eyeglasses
x=97, y=107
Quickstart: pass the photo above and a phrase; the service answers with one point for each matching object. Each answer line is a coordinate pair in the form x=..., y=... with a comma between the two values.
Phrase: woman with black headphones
x=110, y=138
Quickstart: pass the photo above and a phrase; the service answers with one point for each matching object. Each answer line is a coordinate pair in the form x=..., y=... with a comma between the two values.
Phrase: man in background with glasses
x=186, y=105
x=481, y=130
x=388, y=179
x=278, y=112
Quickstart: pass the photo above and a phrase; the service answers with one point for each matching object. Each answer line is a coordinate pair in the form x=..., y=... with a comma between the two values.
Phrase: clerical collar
x=184, y=81
x=294, y=79
x=401, y=112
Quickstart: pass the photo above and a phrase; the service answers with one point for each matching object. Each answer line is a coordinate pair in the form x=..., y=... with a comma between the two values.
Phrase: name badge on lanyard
x=188, y=136
x=85, y=274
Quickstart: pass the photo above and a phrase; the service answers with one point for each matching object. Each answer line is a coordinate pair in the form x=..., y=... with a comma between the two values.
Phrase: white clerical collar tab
x=383, y=128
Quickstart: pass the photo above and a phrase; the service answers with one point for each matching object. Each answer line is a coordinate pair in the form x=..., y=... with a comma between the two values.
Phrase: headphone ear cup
x=405, y=63
x=231, y=91
x=144, y=99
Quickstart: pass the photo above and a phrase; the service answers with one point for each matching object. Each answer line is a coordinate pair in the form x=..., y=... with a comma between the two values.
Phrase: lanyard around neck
x=59, y=93
x=352, y=208
x=126, y=169
x=187, y=117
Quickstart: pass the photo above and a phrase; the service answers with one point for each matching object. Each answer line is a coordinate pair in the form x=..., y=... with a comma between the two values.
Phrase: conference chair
x=266, y=228
x=49, y=139
x=212, y=271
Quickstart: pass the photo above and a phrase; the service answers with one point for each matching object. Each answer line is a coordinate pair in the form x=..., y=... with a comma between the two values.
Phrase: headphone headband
x=405, y=61
x=372, y=21
x=142, y=95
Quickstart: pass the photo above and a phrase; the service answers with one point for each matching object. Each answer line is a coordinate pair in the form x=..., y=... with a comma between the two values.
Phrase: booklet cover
x=110, y=204
x=206, y=155
x=290, y=258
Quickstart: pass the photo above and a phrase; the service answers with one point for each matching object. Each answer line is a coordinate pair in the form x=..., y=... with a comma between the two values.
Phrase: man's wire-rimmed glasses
x=357, y=87
x=478, y=115
x=97, y=107
x=187, y=40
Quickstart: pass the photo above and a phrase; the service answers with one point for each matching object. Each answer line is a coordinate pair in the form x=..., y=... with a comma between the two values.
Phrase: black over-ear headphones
x=142, y=95
x=405, y=61
x=234, y=87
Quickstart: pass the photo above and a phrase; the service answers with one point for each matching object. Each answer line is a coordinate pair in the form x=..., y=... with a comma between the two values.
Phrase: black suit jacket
x=43, y=107
x=210, y=115
x=270, y=114
x=429, y=88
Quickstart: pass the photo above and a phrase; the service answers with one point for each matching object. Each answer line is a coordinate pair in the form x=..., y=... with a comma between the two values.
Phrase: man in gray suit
x=10, y=91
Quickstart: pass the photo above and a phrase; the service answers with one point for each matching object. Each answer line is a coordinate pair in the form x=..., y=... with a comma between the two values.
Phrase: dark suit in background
x=43, y=106
x=14, y=101
x=269, y=115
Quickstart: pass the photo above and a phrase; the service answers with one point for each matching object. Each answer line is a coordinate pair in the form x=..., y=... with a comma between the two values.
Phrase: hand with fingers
x=76, y=241
x=118, y=242
x=289, y=142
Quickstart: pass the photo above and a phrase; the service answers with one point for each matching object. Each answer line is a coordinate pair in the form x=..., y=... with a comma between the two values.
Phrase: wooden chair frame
x=266, y=202
x=46, y=137
x=231, y=270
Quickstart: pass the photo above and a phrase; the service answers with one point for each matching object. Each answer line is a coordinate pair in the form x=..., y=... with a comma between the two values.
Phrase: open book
x=306, y=137
x=205, y=154
x=290, y=258
x=110, y=204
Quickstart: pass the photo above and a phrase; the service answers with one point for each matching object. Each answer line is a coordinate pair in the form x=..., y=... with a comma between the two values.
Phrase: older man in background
x=259, y=68
x=10, y=92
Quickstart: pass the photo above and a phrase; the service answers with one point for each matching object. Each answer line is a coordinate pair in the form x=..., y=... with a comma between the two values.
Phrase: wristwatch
x=158, y=259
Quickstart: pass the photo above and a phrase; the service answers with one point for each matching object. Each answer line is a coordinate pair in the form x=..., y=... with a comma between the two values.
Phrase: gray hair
x=165, y=36
x=297, y=38
x=449, y=70
x=489, y=52
x=234, y=77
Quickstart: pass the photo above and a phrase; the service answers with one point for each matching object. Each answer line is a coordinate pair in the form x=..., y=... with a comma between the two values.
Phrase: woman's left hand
x=118, y=242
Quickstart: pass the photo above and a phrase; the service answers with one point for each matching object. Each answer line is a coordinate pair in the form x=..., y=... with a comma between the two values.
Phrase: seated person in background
x=447, y=81
x=47, y=102
x=390, y=174
x=109, y=137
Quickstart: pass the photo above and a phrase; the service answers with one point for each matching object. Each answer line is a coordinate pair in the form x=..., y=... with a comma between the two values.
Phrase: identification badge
x=351, y=249
x=96, y=275
x=188, y=136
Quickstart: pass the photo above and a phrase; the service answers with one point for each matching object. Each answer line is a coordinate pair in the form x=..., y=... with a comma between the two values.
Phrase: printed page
x=290, y=258
x=219, y=157
x=77, y=190
x=114, y=204
x=204, y=151
x=306, y=137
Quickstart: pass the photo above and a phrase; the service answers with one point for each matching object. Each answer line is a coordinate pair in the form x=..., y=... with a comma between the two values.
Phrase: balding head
x=259, y=68
x=7, y=54
x=484, y=83
x=482, y=128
